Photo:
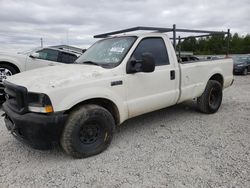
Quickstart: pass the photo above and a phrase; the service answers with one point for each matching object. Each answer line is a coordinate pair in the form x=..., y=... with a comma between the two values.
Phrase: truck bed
x=194, y=76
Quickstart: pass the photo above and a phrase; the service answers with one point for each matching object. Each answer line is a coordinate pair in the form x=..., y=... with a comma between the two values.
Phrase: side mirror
x=147, y=64
x=34, y=55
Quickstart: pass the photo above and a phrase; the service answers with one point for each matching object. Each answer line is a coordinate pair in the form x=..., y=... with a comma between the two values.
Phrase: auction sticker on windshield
x=117, y=49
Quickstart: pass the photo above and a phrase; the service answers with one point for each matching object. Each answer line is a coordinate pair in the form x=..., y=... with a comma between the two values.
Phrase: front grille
x=16, y=97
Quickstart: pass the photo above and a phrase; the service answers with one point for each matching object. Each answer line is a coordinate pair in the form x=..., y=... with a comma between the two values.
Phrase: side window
x=67, y=58
x=48, y=54
x=156, y=47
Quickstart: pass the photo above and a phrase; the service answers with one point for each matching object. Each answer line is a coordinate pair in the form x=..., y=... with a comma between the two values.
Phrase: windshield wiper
x=90, y=63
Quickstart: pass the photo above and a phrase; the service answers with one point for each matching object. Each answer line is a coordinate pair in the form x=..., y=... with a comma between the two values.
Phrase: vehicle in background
x=185, y=58
x=12, y=63
x=241, y=65
x=69, y=48
x=212, y=58
x=80, y=105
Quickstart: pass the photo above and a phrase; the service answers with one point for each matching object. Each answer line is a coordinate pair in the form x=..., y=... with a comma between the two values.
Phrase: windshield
x=107, y=53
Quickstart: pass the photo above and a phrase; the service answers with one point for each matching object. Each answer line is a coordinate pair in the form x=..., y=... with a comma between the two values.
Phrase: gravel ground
x=173, y=147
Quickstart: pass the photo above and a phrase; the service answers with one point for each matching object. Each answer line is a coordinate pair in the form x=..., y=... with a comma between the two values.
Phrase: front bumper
x=40, y=131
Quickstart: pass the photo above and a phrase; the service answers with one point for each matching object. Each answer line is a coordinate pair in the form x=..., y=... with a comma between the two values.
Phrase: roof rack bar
x=174, y=36
x=228, y=41
x=200, y=36
x=159, y=29
x=200, y=31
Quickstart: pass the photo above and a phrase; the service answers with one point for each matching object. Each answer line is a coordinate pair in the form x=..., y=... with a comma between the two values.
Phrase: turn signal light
x=48, y=109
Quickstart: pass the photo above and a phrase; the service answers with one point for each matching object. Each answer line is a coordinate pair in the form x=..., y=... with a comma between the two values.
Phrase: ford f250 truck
x=119, y=77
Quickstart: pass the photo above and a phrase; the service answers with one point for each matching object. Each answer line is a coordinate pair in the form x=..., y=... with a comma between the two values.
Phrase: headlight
x=39, y=102
x=240, y=65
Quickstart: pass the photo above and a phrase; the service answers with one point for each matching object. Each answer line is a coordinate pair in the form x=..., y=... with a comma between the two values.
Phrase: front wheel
x=88, y=131
x=210, y=101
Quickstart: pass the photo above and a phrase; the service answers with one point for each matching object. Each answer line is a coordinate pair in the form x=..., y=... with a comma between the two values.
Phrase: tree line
x=217, y=44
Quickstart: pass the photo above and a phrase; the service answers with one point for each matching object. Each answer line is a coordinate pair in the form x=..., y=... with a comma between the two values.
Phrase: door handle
x=172, y=74
x=51, y=64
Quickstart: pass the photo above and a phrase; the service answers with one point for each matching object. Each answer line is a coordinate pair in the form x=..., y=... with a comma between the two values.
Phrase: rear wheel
x=88, y=131
x=210, y=101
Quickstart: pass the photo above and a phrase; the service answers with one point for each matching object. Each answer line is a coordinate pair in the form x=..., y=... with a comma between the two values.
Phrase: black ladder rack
x=206, y=33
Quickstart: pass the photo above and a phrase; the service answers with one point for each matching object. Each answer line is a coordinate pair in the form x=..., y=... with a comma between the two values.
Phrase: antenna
x=41, y=42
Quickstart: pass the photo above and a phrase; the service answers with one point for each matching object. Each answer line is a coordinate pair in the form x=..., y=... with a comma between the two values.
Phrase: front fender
x=62, y=102
x=18, y=63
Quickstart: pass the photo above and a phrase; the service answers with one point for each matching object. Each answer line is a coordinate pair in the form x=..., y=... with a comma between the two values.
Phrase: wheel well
x=105, y=103
x=11, y=64
x=218, y=77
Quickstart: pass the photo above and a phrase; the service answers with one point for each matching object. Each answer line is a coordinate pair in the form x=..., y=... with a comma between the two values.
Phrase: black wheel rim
x=214, y=98
x=90, y=133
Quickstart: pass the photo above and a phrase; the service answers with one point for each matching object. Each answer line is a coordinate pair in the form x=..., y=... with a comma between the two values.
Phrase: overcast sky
x=74, y=22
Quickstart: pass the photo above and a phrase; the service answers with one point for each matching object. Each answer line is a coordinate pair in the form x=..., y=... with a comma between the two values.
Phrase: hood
x=11, y=54
x=44, y=79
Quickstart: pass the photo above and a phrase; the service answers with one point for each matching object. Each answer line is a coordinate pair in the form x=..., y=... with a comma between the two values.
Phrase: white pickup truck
x=79, y=105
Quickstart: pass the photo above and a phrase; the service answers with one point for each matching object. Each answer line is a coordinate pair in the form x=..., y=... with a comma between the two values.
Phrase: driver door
x=147, y=92
x=47, y=57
